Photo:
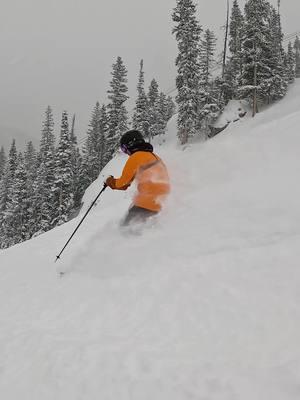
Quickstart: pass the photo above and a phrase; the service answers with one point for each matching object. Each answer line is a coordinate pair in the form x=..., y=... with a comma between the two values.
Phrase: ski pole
x=91, y=206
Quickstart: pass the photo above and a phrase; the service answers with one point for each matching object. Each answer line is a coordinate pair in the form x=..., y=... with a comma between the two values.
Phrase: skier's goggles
x=124, y=148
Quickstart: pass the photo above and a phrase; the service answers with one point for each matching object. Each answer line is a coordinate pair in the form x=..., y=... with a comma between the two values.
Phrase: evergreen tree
x=236, y=36
x=13, y=158
x=208, y=96
x=140, y=117
x=47, y=157
x=16, y=213
x=76, y=168
x=187, y=32
x=94, y=147
x=76, y=161
x=278, y=82
x=171, y=108
x=153, y=93
x=63, y=185
x=30, y=160
x=234, y=67
x=229, y=85
x=160, y=110
x=154, y=114
x=104, y=132
x=44, y=206
x=95, y=152
x=31, y=167
x=2, y=161
x=297, y=56
x=207, y=51
x=72, y=131
x=4, y=189
x=257, y=49
x=290, y=63
x=117, y=113
x=8, y=173
x=44, y=212
x=47, y=143
x=6, y=192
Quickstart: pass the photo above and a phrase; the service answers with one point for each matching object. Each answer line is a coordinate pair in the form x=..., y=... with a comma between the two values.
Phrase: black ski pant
x=137, y=214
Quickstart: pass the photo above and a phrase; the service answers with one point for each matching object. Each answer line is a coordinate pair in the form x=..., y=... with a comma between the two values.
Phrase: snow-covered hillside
x=203, y=305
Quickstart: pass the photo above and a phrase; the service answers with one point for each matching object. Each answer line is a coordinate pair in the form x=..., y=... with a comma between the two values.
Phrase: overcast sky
x=60, y=52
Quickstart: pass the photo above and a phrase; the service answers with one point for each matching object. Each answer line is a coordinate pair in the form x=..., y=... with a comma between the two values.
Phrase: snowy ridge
x=203, y=305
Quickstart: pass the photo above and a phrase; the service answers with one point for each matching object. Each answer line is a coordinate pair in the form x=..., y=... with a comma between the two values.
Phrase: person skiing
x=150, y=174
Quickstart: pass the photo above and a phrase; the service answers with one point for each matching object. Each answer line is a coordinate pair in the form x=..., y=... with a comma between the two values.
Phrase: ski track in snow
x=201, y=303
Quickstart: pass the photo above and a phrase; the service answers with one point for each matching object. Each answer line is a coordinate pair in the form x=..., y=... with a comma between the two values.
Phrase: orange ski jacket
x=151, y=177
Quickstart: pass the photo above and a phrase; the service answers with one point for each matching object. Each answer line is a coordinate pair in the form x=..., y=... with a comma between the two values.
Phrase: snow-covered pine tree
x=2, y=161
x=63, y=185
x=208, y=97
x=31, y=168
x=90, y=157
x=153, y=93
x=6, y=190
x=30, y=160
x=75, y=154
x=278, y=83
x=13, y=158
x=72, y=131
x=161, y=109
x=153, y=107
x=44, y=203
x=95, y=152
x=104, y=132
x=16, y=213
x=187, y=32
x=140, y=119
x=257, y=48
x=206, y=59
x=76, y=167
x=47, y=147
x=236, y=37
x=160, y=112
x=76, y=161
x=44, y=213
x=162, y=100
x=9, y=165
x=117, y=113
x=234, y=67
x=171, y=107
x=47, y=143
x=297, y=55
x=228, y=84
x=290, y=63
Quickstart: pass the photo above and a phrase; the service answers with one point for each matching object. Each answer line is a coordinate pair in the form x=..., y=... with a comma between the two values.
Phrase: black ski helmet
x=132, y=139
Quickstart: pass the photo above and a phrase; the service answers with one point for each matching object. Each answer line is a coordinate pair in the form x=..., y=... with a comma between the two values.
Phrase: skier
x=150, y=174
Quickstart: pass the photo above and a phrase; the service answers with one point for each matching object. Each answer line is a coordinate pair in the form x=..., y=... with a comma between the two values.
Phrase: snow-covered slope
x=203, y=305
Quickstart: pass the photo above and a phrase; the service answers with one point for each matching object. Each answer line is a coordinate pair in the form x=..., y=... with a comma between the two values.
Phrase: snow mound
x=233, y=112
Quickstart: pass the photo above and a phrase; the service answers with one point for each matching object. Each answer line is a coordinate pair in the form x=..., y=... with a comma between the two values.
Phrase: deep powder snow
x=202, y=303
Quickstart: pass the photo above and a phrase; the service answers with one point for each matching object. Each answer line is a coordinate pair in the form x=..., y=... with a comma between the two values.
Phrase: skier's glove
x=111, y=182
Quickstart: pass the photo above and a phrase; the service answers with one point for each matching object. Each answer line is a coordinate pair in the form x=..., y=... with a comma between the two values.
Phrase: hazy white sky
x=60, y=52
